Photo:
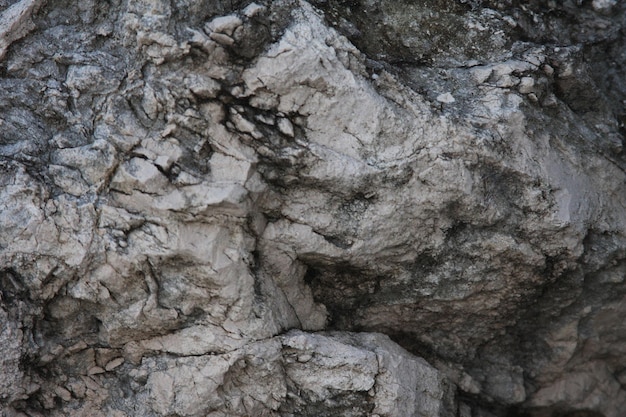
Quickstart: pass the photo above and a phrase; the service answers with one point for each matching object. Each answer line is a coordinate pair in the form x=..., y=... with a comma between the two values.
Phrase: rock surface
x=344, y=208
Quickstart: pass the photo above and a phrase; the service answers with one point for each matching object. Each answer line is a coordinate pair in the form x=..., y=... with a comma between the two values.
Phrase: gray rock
x=15, y=22
x=362, y=209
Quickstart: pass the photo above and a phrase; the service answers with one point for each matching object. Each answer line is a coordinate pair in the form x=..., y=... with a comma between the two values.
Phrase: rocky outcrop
x=331, y=209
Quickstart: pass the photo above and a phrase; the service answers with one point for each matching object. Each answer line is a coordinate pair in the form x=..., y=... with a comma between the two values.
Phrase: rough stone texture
x=345, y=208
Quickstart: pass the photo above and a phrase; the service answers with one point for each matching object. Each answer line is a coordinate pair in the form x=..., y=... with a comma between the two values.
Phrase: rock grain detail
x=335, y=208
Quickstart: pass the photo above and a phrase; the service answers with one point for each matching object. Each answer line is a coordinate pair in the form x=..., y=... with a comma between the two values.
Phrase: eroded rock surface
x=333, y=209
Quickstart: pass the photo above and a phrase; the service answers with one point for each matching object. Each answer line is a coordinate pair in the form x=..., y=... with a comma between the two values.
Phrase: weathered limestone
x=273, y=209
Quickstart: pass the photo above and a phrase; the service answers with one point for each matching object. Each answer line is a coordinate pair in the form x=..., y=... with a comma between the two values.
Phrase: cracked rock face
x=335, y=208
